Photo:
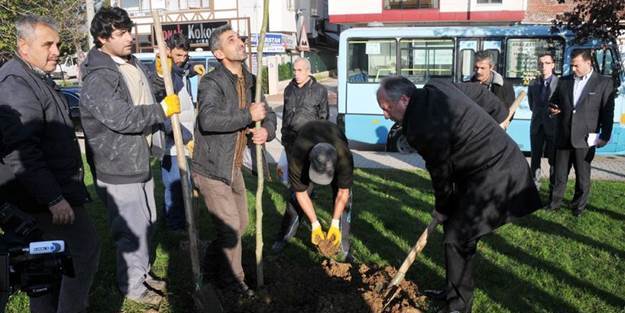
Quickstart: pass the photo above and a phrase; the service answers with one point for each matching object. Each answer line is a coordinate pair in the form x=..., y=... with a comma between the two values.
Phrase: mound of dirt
x=327, y=248
x=329, y=287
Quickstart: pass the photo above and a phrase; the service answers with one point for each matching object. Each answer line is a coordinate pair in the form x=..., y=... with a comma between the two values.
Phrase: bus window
x=522, y=56
x=425, y=58
x=604, y=61
x=466, y=64
x=370, y=60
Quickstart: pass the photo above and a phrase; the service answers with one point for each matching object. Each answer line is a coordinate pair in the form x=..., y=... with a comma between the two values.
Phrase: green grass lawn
x=546, y=262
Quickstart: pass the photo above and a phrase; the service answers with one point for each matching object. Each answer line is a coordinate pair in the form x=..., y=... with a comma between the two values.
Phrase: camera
x=27, y=262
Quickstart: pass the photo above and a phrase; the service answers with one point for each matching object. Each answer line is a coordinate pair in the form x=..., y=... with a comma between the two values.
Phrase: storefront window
x=410, y=4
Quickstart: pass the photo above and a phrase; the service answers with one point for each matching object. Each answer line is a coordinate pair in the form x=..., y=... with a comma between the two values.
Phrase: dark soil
x=329, y=287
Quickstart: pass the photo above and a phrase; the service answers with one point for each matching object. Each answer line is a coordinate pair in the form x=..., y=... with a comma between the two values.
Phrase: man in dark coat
x=493, y=81
x=40, y=164
x=480, y=178
x=542, y=127
x=584, y=112
x=119, y=116
x=226, y=116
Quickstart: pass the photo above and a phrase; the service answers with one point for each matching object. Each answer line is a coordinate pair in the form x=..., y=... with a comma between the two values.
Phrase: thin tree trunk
x=260, y=280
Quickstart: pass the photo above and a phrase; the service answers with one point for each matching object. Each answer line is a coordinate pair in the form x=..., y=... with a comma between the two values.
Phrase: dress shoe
x=578, y=212
x=435, y=294
x=148, y=297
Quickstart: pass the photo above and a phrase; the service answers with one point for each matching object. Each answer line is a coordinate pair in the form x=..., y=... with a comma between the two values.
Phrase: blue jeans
x=173, y=204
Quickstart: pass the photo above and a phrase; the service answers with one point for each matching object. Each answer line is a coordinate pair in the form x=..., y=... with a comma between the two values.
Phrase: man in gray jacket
x=225, y=119
x=40, y=164
x=119, y=116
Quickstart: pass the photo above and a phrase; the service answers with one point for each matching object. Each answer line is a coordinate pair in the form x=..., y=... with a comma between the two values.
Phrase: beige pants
x=228, y=207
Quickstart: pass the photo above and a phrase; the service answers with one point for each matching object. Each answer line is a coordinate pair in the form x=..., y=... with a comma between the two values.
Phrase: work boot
x=435, y=294
x=148, y=297
x=241, y=289
x=278, y=246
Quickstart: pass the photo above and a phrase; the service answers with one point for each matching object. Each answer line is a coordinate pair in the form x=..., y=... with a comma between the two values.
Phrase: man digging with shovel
x=320, y=155
x=480, y=178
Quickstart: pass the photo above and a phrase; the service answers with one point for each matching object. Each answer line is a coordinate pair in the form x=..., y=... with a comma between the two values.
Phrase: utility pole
x=90, y=7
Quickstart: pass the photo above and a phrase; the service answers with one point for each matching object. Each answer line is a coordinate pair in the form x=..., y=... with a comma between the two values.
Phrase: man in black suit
x=583, y=105
x=480, y=178
x=542, y=127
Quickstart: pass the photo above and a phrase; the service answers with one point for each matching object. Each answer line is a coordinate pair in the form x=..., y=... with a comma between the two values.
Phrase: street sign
x=302, y=43
x=198, y=34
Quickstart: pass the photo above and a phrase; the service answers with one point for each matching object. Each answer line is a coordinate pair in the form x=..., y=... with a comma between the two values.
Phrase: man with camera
x=40, y=162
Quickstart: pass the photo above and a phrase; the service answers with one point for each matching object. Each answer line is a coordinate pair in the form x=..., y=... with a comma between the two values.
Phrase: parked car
x=66, y=69
x=72, y=95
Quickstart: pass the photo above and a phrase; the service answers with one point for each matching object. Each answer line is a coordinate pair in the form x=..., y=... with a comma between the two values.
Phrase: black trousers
x=542, y=144
x=459, y=267
x=580, y=160
x=294, y=213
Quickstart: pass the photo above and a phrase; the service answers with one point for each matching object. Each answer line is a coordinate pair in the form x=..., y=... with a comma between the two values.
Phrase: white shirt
x=578, y=86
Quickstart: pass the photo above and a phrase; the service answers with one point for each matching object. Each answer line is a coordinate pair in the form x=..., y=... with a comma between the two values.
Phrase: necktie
x=545, y=90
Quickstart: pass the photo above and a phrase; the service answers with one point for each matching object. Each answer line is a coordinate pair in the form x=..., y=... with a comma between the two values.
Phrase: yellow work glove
x=334, y=233
x=316, y=234
x=199, y=69
x=190, y=146
x=171, y=105
x=159, y=67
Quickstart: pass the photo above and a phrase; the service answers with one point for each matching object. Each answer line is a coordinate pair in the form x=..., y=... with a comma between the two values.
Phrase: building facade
x=411, y=12
x=197, y=19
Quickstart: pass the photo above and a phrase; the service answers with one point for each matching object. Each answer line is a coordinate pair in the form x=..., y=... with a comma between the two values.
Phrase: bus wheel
x=396, y=142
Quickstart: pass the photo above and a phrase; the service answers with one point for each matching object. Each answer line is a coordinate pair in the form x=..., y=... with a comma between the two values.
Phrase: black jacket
x=540, y=106
x=302, y=105
x=481, y=179
x=114, y=127
x=501, y=87
x=593, y=113
x=219, y=121
x=40, y=160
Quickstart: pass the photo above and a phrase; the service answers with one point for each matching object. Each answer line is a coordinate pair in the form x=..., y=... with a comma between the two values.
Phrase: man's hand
x=258, y=111
x=439, y=217
x=199, y=69
x=600, y=142
x=554, y=110
x=190, y=145
x=316, y=235
x=62, y=213
x=171, y=105
x=259, y=135
x=159, y=66
x=334, y=233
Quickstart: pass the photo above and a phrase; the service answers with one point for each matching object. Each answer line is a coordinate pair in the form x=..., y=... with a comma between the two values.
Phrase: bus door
x=368, y=60
x=467, y=47
x=606, y=62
